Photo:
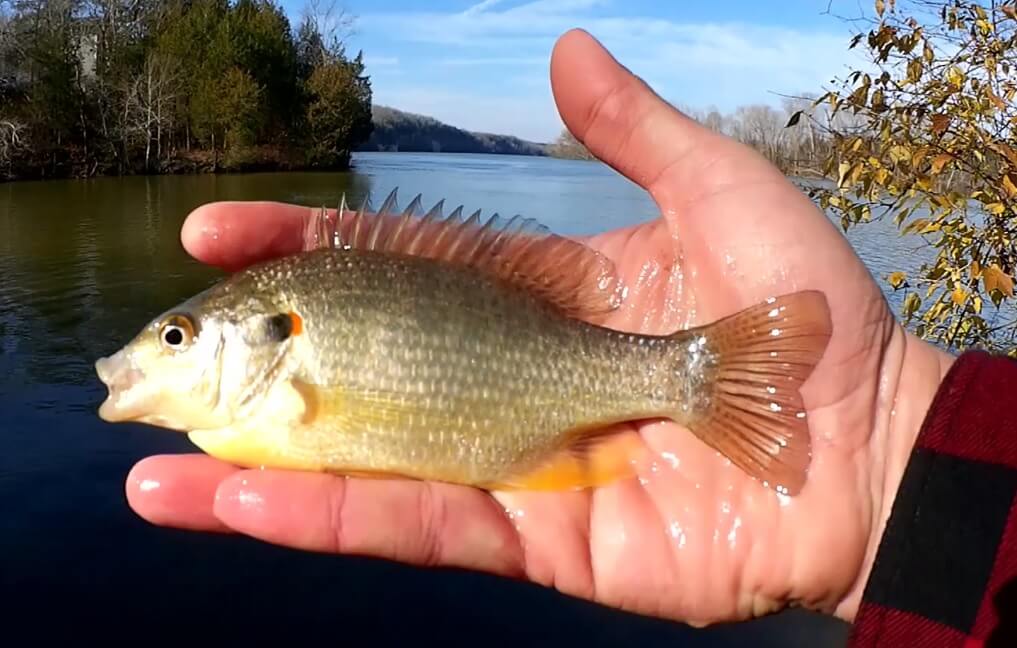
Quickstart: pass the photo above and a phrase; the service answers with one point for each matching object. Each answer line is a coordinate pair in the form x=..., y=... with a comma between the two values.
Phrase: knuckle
x=431, y=508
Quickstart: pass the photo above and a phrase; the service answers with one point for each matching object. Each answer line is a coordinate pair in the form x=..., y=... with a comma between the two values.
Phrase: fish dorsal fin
x=576, y=279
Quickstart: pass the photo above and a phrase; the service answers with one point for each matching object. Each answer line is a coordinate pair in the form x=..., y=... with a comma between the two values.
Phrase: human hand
x=694, y=539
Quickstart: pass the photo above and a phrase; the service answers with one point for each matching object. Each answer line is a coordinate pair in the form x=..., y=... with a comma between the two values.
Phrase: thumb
x=623, y=122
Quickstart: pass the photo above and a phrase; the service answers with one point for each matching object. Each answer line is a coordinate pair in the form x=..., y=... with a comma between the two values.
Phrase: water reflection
x=84, y=264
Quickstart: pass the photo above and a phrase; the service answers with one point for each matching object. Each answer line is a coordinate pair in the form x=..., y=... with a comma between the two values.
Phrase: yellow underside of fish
x=263, y=441
x=298, y=411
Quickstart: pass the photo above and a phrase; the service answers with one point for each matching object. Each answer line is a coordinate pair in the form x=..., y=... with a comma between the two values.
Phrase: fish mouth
x=121, y=378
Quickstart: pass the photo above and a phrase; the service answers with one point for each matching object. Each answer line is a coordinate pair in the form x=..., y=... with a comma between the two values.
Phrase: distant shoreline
x=392, y=131
x=200, y=163
x=249, y=159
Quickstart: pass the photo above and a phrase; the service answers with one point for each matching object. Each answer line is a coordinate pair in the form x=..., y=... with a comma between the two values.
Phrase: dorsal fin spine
x=336, y=238
x=565, y=273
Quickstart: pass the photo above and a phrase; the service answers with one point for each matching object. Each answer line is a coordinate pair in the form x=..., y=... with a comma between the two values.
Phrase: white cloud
x=698, y=64
x=480, y=7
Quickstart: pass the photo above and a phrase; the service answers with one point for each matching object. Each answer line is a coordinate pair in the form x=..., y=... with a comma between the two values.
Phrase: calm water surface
x=84, y=264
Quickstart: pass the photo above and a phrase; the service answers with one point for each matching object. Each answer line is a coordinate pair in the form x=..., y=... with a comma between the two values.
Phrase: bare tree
x=149, y=102
x=332, y=23
x=12, y=140
x=762, y=127
x=567, y=146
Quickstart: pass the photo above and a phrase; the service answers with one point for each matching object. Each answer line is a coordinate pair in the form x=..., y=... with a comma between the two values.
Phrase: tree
x=12, y=142
x=151, y=101
x=228, y=109
x=338, y=109
x=257, y=38
x=933, y=146
x=323, y=30
x=567, y=146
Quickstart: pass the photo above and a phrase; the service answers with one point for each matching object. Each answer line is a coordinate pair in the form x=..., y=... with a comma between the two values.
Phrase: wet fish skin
x=360, y=360
x=473, y=379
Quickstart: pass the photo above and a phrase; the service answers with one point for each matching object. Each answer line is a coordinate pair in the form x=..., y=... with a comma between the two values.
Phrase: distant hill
x=395, y=130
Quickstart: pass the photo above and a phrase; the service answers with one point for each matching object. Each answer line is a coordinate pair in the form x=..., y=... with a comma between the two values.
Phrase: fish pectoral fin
x=312, y=397
x=592, y=458
x=353, y=409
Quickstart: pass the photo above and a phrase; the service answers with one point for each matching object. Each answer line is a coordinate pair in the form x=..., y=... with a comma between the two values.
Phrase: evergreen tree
x=100, y=86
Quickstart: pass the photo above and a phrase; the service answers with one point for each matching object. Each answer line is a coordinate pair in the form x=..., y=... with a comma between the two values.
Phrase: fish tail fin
x=755, y=415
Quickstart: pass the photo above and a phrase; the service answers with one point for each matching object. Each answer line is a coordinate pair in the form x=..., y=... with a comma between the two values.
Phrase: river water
x=84, y=264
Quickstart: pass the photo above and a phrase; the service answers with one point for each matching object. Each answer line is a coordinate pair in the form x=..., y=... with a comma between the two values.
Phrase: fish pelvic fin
x=755, y=414
x=574, y=278
x=589, y=458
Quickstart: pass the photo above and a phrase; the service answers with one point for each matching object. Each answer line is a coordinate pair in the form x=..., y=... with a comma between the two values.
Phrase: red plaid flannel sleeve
x=946, y=570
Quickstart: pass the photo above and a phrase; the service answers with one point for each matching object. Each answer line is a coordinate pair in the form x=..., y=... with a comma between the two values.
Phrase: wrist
x=910, y=377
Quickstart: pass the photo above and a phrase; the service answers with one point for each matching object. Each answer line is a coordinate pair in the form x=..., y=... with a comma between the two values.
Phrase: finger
x=232, y=235
x=627, y=125
x=177, y=490
x=414, y=522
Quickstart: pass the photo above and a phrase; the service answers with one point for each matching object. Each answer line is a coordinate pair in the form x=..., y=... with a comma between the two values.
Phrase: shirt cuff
x=947, y=560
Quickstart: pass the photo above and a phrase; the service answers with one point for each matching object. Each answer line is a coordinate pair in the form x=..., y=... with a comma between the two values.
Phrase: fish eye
x=177, y=332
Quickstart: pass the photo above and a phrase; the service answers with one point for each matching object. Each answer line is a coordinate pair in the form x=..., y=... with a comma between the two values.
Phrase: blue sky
x=483, y=64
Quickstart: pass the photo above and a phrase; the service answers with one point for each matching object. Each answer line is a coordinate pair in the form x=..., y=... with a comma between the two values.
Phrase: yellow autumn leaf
x=959, y=295
x=911, y=304
x=996, y=101
x=920, y=153
x=1009, y=185
x=995, y=208
x=842, y=171
x=940, y=161
x=993, y=278
x=877, y=100
x=914, y=70
x=897, y=279
x=899, y=153
x=1007, y=151
x=954, y=76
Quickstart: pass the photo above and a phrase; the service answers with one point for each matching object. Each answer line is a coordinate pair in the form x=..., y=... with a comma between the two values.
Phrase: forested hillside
x=91, y=87
x=395, y=130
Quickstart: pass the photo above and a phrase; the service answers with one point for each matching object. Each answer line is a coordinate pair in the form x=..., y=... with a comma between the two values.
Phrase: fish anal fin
x=763, y=356
x=593, y=458
x=574, y=278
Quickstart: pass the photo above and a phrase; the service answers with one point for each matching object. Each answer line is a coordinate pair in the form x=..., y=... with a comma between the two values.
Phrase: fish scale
x=506, y=363
x=431, y=347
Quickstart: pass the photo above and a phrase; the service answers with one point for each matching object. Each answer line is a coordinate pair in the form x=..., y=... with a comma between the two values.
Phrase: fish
x=411, y=345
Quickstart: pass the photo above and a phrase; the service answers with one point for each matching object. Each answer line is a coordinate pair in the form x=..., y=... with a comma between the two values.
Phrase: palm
x=692, y=518
x=693, y=539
